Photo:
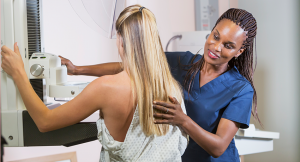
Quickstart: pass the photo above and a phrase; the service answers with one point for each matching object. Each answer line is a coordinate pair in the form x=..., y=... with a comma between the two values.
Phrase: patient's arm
x=94, y=97
x=92, y=70
x=72, y=112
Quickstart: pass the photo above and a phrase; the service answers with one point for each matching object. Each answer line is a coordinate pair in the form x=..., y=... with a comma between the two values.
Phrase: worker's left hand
x=12, y=62
x=173, y=113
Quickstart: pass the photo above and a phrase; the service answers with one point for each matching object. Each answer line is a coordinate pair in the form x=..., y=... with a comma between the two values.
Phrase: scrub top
x=228, y=96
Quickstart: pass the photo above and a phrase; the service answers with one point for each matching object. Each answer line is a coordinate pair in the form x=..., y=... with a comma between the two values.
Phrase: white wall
x=171, y=16
x=68, y=36
x=277, y=75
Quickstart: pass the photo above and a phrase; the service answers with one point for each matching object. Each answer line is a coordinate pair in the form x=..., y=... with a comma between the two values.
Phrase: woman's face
x=224, y=43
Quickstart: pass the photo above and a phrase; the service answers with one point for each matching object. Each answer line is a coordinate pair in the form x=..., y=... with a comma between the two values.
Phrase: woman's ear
x=239, y=52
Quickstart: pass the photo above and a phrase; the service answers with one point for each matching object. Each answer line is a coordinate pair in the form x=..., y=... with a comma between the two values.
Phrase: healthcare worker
x=218, y=88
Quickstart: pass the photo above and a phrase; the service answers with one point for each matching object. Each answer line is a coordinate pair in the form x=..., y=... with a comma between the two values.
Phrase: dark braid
x=244, y=62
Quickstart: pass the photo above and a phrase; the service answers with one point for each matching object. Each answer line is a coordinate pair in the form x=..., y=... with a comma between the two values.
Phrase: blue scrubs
x=228, y=96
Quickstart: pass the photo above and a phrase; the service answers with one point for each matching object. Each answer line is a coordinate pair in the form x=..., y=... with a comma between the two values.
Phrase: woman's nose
x=218, y=46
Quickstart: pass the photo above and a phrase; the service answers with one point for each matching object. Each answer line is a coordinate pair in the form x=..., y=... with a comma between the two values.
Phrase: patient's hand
x=12, y=62
x=71, y=68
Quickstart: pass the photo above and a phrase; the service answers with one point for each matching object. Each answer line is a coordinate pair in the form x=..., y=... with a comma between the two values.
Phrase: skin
x=225, y=41
x=113, y=92
x=93, y=70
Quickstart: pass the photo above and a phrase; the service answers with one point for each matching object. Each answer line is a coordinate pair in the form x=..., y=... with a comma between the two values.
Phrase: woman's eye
x=228, y=46
x=216, y=37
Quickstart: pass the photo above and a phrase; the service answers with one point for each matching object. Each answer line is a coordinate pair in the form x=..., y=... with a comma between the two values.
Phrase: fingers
x=163, y=109
x=163, y=116
x=2, y=53
x=168, y=105
x=5, y=49
x=162, y=122
x=62, y=57
x=173, y=100
x=16, y=48
x=64, y=61
x=164, y=104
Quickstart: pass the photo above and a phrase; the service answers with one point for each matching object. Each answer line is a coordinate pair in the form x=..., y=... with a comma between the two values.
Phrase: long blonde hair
x=146, y=65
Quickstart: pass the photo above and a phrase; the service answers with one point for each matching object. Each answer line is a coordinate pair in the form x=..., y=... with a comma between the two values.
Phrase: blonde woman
x=126, y=128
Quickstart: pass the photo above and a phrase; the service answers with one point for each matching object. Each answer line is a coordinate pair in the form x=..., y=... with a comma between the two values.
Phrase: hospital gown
x=138, y=147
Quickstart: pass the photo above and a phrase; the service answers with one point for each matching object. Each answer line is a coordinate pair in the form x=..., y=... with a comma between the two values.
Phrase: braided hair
x=244, y=63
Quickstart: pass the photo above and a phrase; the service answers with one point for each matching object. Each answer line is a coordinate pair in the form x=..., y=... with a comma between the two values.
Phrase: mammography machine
x=22, y=22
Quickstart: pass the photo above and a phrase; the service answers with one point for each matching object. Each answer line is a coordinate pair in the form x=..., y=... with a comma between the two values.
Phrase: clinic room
x=150, y=80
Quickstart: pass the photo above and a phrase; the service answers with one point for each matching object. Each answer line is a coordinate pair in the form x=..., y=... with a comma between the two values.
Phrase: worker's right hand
x=71, y=68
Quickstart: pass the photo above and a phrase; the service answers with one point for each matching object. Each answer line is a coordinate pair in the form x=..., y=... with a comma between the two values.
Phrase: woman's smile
x=212, y=55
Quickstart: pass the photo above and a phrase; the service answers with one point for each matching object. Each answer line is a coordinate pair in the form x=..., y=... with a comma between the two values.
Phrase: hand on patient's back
x=71, y=68
x=171, y=112
x=12, y=62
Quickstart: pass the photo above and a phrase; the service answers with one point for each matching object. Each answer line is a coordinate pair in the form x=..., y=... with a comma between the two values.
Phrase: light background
x=276, y=78
x=277, y=75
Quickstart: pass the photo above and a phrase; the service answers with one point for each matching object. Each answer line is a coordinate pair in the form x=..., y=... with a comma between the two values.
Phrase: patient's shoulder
x=112, y=87
x=113, y=81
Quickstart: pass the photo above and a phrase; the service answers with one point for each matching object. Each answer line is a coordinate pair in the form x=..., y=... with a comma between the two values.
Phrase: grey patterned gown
x=138, y=147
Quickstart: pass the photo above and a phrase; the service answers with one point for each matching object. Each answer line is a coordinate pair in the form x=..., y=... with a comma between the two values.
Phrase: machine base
x=68, y=136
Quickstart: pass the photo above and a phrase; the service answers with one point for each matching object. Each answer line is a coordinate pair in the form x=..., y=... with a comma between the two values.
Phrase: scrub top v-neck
x=228, y=96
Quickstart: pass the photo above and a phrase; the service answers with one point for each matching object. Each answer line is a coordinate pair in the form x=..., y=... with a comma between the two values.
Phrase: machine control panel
x=36, y=70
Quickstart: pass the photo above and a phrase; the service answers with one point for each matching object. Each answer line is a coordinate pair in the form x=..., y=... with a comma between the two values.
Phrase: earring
x=235, y=58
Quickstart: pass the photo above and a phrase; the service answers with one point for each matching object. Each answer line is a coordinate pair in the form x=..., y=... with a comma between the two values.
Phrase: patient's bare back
x=119, y=105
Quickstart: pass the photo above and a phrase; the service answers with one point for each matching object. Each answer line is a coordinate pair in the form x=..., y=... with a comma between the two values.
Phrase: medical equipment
x=22, y=22
x=47, y=67
x=190, y=41
x=207, y=12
